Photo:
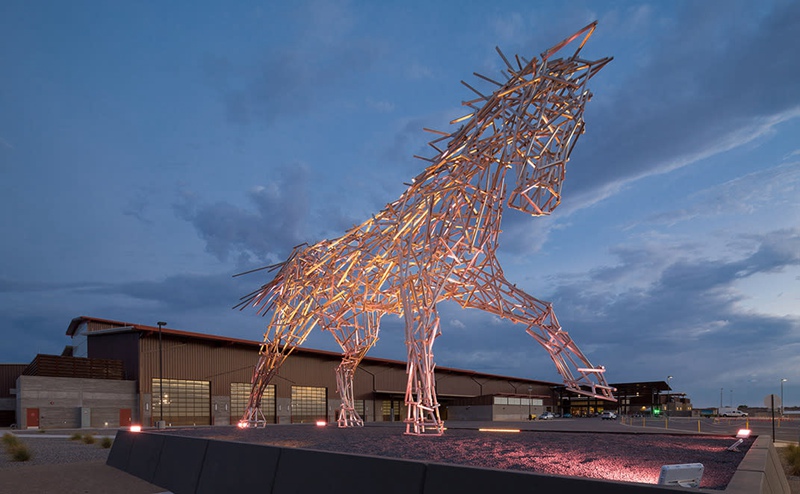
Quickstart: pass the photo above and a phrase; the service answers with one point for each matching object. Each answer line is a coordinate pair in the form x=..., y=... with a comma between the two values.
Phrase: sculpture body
x=438, y=242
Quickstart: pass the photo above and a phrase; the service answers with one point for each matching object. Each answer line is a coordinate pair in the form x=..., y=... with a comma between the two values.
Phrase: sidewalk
x=94, y=477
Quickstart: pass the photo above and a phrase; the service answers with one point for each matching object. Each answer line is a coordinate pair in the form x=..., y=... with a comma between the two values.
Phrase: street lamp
x=782, y=381
x=731, y=398
x=720, y=398
x=669, y=386
x=160, y=376
x=530, y=388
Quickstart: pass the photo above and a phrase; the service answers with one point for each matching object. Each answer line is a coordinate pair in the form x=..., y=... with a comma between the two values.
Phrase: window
x=184, y=402
x=240, y=397
x=309, y=404
x=390, y=406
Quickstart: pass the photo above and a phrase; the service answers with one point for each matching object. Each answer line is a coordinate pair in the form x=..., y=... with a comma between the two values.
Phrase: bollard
x=698, y=425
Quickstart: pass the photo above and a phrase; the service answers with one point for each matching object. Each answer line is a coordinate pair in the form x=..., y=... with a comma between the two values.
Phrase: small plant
x=792, y=455
x=88, y=439
x=106, y=442
x=76, y=437
x=20, y=452
x=9, y=440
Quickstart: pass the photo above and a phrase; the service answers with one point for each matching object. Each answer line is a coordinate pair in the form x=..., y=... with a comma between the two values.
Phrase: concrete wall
x=194, y=465
x=515, y=413
x=471, y=412
x=63, y=402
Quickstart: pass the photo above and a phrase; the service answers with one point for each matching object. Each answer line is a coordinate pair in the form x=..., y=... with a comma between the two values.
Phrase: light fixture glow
x=136, y=428
x=743, y=433
x=321, y=423
x=499, y=430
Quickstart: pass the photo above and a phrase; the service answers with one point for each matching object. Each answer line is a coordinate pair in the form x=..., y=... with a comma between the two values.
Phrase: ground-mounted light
x=136, y=428
x=321, y=423
x=241, y=424
x=684, y=475
x=498, y=430
x=741, y=436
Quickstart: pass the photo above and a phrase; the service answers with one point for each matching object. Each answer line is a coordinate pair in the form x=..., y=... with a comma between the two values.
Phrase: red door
x=32, y=415
x=124, y=417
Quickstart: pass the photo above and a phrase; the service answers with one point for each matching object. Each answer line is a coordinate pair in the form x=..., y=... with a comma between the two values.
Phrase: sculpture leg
x=422, y=328
x=355, y=343
x=489, y=291
x=272, y=354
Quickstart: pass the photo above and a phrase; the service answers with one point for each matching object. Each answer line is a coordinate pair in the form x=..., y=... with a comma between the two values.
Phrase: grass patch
x=76, y=437
x=15, y=448
x=792, y=455
x=9, y=440
x=106, y=442
x=88, y=439
x=20, y=452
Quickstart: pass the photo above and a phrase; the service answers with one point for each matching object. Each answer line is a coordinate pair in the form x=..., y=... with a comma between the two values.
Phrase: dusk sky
x=151, y=150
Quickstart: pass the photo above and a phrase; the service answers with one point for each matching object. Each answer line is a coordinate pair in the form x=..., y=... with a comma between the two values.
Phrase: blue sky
x=149, y=151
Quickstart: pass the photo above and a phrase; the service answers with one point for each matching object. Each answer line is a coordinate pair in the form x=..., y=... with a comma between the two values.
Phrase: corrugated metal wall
x=191, y=358
x=8, y=378
x=117, y=346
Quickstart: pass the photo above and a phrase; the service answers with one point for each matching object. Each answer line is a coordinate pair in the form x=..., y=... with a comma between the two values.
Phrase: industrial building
x=117, y=373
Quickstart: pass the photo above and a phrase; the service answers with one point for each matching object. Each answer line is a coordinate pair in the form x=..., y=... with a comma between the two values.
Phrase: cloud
x=277, y=221
x=694, y=97
x=287, y=82
x=685, y=306
x=455, y=323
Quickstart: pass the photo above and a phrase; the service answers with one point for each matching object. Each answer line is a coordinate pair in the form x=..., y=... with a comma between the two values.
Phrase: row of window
x=187, y=402
x=502, y=400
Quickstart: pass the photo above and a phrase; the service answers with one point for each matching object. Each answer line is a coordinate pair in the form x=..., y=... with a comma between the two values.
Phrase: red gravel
x=611, y=456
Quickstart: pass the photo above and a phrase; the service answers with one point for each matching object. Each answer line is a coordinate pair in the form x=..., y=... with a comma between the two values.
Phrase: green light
x=656, y=411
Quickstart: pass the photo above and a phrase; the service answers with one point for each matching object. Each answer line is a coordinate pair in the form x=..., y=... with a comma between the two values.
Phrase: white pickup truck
x=731, y=412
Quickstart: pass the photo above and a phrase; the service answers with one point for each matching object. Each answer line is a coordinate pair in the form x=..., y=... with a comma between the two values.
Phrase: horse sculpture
x=437, y=242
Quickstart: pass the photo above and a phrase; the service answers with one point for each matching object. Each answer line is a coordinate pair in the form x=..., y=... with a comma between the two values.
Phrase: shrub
x=10, y=440
x=792, y=454
x=88, y=439
x=106, y=442
x=20, y=452
x=76, y=437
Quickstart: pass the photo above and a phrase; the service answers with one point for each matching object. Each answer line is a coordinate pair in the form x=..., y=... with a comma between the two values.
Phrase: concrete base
x=193, y=465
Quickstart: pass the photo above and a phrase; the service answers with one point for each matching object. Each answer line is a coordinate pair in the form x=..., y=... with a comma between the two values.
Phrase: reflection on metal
x=438, y=242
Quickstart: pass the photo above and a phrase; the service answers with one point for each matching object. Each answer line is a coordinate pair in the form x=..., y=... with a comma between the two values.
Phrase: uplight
x=136, y=428
x=242, y=424
x=321, y=423
x=743, y=433
x=499, y=430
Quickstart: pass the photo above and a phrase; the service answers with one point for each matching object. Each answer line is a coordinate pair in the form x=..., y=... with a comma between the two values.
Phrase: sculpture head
x=544, y=103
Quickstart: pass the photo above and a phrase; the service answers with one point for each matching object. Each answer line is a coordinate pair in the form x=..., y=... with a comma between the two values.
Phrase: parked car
x=734, y=413
x=608, y=415
x=547, y=416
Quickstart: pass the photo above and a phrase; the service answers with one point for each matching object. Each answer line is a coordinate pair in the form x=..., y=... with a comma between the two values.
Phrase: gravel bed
x=50, y=449
x=610, y=456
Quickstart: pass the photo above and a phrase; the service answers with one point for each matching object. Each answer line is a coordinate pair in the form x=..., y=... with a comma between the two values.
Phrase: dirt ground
x=794, y=480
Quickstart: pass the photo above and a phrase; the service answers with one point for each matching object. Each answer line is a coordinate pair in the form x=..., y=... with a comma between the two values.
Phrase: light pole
x=669, y=380
x=731, y=398
x=782, y=381
x=530, y=388
x=720, y=398
x=160, y=377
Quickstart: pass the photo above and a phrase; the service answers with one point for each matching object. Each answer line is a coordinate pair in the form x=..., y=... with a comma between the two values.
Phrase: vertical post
x=669, y=391
x=160, y=377
x=530, y=388
x=772, y=399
